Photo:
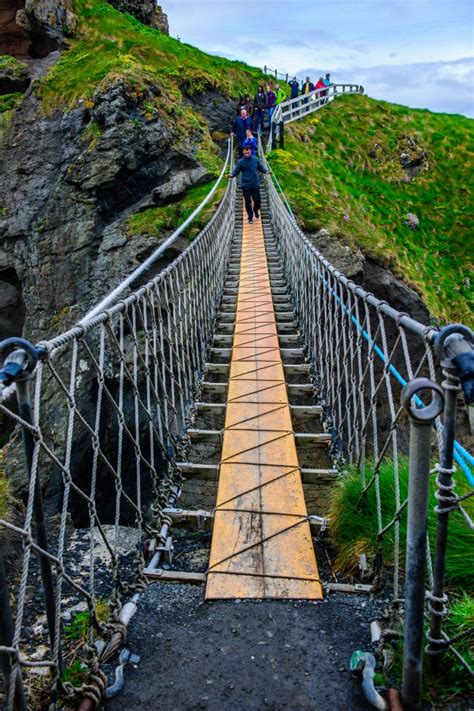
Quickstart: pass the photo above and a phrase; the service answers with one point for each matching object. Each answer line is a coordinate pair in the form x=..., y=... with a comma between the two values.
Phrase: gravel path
x=242, y=655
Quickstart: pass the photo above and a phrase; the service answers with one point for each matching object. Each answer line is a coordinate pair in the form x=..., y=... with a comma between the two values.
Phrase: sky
x=413, y=52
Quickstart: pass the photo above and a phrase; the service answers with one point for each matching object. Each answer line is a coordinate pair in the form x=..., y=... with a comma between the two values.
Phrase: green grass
x=13, y=67
x=450, y=685
x=110, y=44
x=354, y=525
x=341, y=170
x=8, y=102
x=158, y=221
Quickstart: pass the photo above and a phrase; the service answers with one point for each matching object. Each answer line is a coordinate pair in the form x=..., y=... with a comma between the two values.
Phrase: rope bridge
x=112, y=401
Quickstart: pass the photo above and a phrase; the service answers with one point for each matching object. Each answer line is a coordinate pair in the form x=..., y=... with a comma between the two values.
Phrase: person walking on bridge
x=250, y=167
x=307, y=87
x=239, y=128
x=260, y=104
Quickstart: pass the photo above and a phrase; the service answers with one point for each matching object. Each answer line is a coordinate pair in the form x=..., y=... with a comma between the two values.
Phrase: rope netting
x=362, y=352
x=112, y=399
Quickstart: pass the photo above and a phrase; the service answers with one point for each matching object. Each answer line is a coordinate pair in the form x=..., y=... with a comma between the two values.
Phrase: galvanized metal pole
x=6, y=639
x=454, y=347
x=41, y=536
x=421, y=421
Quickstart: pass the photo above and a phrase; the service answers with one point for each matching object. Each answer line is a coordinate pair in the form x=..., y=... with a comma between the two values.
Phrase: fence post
x=6, y=639
x=281, y=130
x=454, y=348
x=19, y=365
x=421, y=421
x=265, y=69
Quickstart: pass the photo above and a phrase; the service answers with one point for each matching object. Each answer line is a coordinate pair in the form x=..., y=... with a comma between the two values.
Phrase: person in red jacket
x=320, y=85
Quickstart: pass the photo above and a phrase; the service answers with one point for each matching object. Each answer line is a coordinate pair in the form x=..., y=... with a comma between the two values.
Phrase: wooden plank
x=175, y=576
x=261, y=545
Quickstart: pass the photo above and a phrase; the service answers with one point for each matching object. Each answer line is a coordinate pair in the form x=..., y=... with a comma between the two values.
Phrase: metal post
x=281, y=127
x=17, y=367
x=276, y=74
x=41, y=536
x=6, y=639
x=421, y=421
x=455, y=350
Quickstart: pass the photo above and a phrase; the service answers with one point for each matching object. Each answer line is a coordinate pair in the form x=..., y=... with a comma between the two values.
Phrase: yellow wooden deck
x=261, y=541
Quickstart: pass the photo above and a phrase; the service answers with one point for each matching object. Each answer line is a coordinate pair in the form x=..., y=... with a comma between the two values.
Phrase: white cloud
x=359, y=41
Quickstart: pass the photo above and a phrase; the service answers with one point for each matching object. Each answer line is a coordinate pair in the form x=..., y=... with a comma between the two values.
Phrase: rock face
x=146, y=11
x=13, y=76
x=14, y=39
x=34, y=28
x=60, y=226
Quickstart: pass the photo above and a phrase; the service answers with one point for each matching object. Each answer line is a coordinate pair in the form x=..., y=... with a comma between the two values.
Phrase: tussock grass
x=354, y=524
x=342, y=170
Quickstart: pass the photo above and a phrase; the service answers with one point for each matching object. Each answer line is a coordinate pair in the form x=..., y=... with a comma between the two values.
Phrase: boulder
x=146, y=11
x=13, y=75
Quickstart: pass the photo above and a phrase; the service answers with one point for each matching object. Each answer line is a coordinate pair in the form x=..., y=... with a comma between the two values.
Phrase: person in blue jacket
x=240, y=126
x=251, y=142
x=295, y=90
x=250, y=167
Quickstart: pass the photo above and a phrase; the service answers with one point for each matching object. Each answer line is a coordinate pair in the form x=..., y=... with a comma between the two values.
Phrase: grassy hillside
x=342, y=169
x=109, y=44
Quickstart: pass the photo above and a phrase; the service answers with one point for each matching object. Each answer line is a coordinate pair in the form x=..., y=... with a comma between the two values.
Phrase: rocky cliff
x=71, y=177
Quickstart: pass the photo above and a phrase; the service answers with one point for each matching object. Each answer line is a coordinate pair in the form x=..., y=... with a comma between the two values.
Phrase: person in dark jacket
x=240, y=126
x=271, y=102
x=249, y=105
x=294, y=87
x=259, y=106
x=250, y=166
x=295, y=90
x=240, y=105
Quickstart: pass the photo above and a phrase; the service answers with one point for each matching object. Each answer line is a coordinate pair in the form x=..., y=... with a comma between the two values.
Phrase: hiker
x=280, y=94
x=250, y=142
x=250, y=166
x=327, y=82
x=320, y=85
x=260, y=104
x=240, y=105
x=249, y=105
x=271, y=102
x=240, y=125
x=294, y=91
x=307, y=87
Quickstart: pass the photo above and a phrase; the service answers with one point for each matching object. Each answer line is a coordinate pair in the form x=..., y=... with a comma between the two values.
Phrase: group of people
x=253, y=115
x=250, y=119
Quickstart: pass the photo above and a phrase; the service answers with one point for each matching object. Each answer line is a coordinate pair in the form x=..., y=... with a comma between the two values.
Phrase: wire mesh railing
x=363, y=352
x=112, y=399
x=303, y=105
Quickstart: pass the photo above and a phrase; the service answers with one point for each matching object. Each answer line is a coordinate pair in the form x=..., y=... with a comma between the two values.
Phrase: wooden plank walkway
x=261, y=543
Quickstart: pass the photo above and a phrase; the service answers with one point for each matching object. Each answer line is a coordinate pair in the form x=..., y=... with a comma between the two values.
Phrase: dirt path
x=243, y=655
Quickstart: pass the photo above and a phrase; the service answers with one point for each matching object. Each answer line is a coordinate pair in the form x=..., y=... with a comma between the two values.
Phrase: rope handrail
x=301, y=106
x=107, y=306
x=463, y=458
x=113, y=295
